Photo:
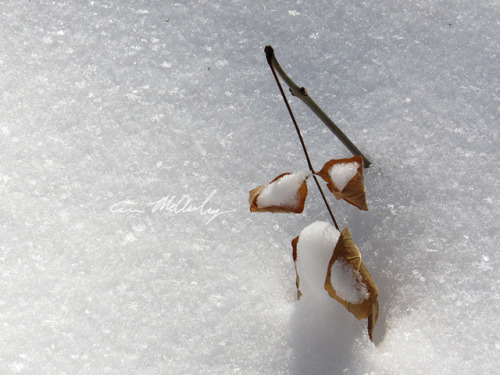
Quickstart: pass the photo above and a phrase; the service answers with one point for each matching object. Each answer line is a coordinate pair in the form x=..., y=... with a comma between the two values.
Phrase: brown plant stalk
x=303, y=95
x=304, y=148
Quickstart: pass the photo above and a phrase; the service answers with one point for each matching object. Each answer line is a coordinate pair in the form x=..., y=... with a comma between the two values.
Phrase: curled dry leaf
x=357, y=291
x=286, y=193
x=345, y=180
x=294, y=253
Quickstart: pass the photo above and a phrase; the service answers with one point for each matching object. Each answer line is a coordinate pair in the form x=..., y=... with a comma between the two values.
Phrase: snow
x=342, y=173
x=105, y=102
x=347, y=283
x=314, y=250
x=282, y=192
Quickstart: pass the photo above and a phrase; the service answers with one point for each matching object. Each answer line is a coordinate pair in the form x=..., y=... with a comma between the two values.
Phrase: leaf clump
x=346, y=278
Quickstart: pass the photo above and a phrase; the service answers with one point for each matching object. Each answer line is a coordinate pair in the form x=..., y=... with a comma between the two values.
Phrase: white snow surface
x=109, y=108
x=342, y=173
x=347, y=282
x=282, y=192
x=314, y=251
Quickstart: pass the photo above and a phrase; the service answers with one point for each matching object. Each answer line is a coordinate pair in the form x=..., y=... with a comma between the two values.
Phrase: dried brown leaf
x=347, y=252
x=294, y=253
x=354, y=191
x=294, y=207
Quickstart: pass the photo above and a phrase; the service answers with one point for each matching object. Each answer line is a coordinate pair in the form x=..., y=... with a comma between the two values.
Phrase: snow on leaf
x=342, y=173
x=347, y=282
x=346, y=181
x=286, y=193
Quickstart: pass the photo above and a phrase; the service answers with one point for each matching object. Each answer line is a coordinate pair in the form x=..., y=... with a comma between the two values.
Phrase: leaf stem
x=302, y=94
x=304, y=148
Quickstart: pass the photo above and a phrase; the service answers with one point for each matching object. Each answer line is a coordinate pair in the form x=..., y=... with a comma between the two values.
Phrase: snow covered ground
x=115, y=113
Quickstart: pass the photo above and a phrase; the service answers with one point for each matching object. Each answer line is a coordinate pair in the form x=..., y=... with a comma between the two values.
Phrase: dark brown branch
x=304, y=148
x=301, y=93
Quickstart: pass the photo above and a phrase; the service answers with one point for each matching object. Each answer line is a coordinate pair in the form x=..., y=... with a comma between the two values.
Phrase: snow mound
x=314, y=251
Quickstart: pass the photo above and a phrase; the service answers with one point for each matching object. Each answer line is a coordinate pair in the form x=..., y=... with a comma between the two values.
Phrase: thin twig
x=304, y=148
x=302, y=94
